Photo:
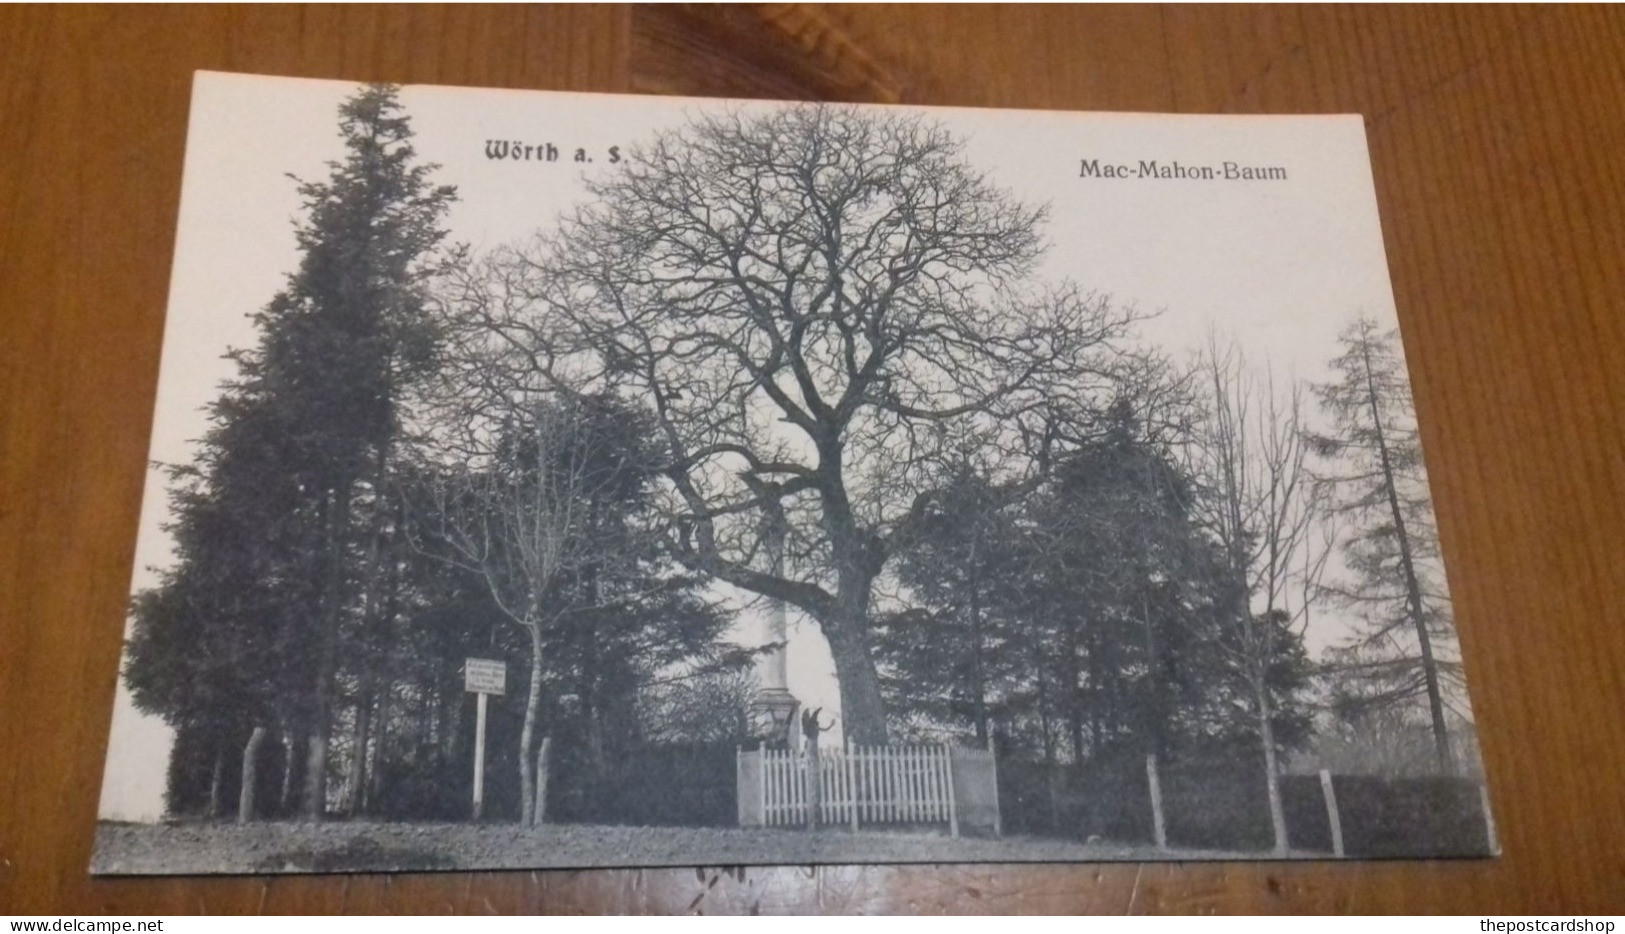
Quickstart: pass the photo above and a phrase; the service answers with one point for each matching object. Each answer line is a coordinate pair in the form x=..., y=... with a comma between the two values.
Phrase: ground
x=198, y=848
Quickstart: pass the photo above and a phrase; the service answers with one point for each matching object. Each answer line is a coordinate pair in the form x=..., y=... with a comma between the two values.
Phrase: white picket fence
x=861, y=785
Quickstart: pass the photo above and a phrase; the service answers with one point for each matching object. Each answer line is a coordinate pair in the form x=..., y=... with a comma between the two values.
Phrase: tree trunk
x=1413, y=589
x=862, y=706
x=1159, y=693
x=1073, y=698
x=1045, y=728
x=597, y=763
x=214, y=784
x=527, y=734
x=245, y=797
x=374, y=594
x=539, y=816
x=380, y=743
x=381, y=713
x=327, y=639
x=290, y=745
x=316, y=774
x=1272, y=777
x=857, y=560
x=356, y=775
x=978, y=666
x=591, y=712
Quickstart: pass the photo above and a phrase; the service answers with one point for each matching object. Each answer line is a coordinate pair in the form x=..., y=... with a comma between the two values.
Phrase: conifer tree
x=296, y=464
x=1373, y=471
x=337, y=345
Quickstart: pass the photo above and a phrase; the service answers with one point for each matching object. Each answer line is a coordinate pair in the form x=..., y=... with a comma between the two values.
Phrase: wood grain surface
x=1498, y=141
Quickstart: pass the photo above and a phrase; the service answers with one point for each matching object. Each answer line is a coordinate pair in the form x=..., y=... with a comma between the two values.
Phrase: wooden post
x=479, y=754
x=1332, y=818
x=815, y=784
x=944, y=782
x=1158, y=826
x=953, y=803
x=483, y=677
x=1489, y=819
x=251, y=755
x=761, y=783
x=214, y=785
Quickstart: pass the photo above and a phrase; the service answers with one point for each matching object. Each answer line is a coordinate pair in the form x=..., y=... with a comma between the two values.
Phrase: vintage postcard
x=567, y=480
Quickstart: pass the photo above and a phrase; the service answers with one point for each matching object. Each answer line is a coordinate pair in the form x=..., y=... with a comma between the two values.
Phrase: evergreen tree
x=286, y=501
x=211, y=646
x=952, y=657
x=337, y=345
x=1123, y=578
x=1372, y=470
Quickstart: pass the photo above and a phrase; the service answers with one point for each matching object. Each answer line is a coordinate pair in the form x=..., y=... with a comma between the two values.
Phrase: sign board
x=484, y=676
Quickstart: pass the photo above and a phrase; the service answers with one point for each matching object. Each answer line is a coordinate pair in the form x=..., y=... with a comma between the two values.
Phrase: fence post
x=813, y=770
x=761, y=783
x=1159, y=828
x=953, y=799
x=752, y=785
x=251, y=752
x=1336, y=822
x=1489, y=819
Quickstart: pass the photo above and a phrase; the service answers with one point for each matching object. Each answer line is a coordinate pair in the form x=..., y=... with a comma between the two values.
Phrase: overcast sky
x=1280, y=265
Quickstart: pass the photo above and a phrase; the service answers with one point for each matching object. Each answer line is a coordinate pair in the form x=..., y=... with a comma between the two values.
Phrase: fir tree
x=295, y=467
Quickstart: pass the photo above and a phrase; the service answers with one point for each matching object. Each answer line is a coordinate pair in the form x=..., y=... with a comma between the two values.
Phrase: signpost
x=484, y=677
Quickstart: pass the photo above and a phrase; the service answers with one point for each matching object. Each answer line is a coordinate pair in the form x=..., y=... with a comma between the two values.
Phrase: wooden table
x=1498, y=137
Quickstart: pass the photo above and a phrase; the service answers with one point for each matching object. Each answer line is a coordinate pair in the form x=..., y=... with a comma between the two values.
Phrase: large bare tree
x=816, y=302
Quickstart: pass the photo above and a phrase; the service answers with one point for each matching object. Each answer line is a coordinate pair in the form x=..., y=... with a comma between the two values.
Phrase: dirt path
x=189, y=849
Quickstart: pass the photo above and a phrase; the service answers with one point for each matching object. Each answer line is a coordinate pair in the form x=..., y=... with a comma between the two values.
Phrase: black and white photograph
x=546, y=480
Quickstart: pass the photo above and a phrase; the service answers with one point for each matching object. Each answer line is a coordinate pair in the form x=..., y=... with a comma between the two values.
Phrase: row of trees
x=804, y=353
x=1153, y=592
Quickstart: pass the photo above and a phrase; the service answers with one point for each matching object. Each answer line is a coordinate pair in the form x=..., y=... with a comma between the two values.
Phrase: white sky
x=1280, y=265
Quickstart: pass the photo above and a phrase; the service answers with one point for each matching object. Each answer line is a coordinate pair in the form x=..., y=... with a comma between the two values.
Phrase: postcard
x=570, y=480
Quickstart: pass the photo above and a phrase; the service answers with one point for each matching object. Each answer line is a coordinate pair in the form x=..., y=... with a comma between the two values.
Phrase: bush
x=1106, y=797
x=1216, y=804
x=669, y=785
x=1307, y=826
x=1390, y=817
